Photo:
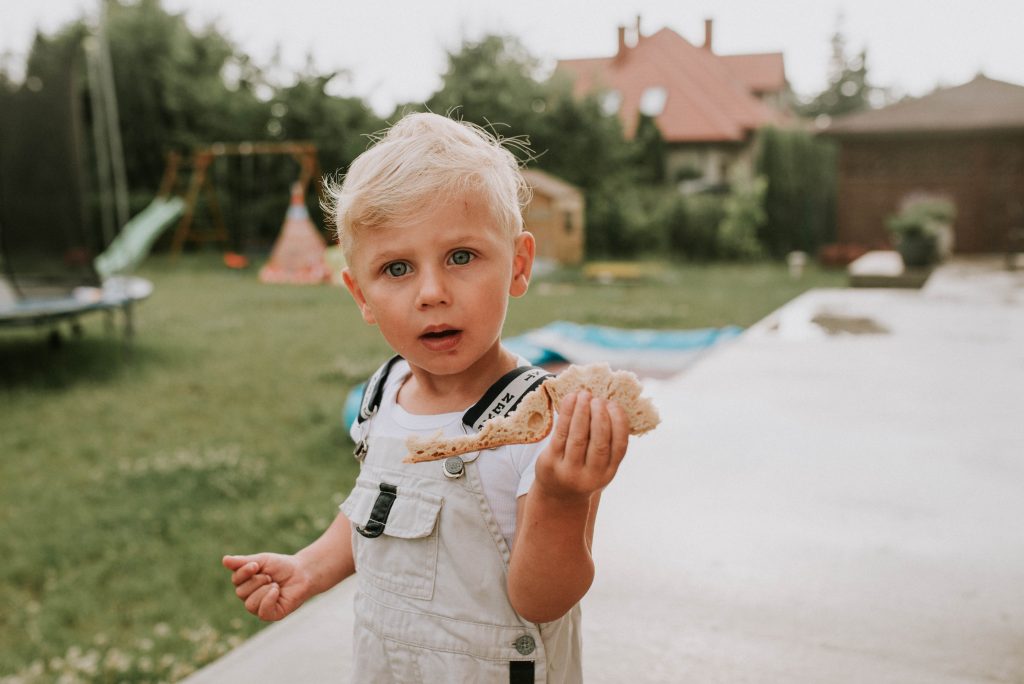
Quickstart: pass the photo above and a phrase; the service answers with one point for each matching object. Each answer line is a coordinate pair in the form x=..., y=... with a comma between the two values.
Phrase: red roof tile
x=762, y=73
x=706, y=101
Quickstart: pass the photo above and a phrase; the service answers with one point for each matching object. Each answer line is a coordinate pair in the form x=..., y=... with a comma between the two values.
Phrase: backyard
x=128, y=470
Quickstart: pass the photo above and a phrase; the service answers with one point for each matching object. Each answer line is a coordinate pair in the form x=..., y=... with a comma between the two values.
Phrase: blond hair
x=421, y=161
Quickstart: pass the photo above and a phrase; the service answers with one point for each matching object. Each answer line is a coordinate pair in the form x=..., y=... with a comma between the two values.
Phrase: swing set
x=204, y=181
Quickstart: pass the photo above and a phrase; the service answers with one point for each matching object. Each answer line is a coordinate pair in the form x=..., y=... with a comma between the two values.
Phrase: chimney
x=707, y=34
x=621, y=54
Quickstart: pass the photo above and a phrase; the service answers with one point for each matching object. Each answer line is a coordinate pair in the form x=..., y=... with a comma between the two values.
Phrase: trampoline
x=119, y=292
x=48, y=242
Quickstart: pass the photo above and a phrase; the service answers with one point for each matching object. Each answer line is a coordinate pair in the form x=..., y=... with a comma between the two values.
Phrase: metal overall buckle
x=374, y=527
x=361, y=450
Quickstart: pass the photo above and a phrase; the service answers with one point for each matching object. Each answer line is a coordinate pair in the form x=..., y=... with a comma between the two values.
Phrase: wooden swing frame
x=201, y=181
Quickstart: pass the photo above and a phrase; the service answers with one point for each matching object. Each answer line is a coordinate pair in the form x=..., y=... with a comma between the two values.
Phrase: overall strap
x=504, y=395
x=374, y=390
x=499, y=400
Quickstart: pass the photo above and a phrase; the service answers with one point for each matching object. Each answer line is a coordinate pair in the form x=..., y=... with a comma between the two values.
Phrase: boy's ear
x=522, y=264
x=357, y=294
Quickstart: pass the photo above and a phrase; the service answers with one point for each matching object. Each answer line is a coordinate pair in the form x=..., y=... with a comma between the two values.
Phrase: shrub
x=744, y=215
x=922, y=230
x=800, y=196
x=691, y=226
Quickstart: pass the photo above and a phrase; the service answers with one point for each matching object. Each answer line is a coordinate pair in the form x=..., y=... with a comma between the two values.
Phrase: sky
x=395, y=51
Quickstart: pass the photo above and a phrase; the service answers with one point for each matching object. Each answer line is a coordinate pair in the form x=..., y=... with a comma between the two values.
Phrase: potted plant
x=923, y=231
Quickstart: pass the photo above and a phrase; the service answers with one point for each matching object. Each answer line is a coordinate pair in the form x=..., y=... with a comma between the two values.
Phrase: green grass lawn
x=127, y=471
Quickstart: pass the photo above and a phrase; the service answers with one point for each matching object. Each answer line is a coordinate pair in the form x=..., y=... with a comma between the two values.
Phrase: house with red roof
x=707, y=106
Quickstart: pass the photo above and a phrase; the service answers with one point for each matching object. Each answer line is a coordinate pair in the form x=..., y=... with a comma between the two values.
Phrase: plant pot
x=918, y=250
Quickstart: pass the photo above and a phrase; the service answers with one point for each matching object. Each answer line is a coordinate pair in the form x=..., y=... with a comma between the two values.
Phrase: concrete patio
x=831, y=498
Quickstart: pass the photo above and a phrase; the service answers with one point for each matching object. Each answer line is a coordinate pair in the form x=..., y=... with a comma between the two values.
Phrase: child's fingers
x=620, y=432
x=244, y=573
x=268, y=606
x=255, y=599
x=243, y=590
x=234, y=562
x=599, y=449
x=579, y=431
x=561, y=431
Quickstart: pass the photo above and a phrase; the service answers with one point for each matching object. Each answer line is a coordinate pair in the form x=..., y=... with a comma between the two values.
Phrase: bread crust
x=534, y=418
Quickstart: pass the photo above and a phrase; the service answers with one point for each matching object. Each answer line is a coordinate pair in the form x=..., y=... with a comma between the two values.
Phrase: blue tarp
x=646, y=352
x=662, y=352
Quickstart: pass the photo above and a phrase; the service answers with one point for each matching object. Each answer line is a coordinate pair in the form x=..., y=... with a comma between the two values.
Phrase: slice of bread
x=535, y=416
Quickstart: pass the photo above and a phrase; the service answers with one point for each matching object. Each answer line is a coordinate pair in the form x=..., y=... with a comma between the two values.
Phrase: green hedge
x=800, y=198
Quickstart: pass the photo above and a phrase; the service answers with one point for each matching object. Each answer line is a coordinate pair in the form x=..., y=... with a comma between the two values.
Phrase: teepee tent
x=298, y=254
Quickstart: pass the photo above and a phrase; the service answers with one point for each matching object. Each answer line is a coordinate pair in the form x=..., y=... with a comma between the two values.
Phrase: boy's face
x=438, y=285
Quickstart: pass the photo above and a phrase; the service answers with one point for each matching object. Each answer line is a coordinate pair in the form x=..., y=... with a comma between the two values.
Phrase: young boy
x=469, y=571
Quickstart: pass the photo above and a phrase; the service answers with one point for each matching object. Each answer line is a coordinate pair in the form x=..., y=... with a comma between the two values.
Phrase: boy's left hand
x=271, y=585
x=588, y=444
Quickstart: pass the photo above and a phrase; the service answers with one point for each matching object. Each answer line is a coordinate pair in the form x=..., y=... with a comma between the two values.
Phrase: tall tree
x=305, y=110
x=492, y=79
x=799, y=201
x=650, y=151
x=179, y=88
x=496, y=82
x=849, y=89
x=171, y=89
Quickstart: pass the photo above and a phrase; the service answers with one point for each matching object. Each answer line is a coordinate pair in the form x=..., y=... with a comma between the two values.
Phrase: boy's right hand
x=271, y=585
x=587, y=445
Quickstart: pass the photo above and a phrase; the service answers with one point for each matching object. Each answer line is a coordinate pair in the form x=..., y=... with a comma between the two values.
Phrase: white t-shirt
x=505, y=472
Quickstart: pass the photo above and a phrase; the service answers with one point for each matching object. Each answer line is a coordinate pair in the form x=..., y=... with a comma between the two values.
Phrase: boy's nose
x=433, y=290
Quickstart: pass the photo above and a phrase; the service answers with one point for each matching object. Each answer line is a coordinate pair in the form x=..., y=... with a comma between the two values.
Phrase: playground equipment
x=298, y=254
x=47, y=274
x=201, y=184
x=48, y=235
x=136, y=238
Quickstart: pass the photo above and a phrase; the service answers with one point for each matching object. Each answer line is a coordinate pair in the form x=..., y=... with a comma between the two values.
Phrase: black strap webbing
x=499, y=400
x=374, y=390
x=520, y=672
x=504, y=395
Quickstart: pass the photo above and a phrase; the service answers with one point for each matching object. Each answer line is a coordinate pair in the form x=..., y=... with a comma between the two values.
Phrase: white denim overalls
x=432, y=566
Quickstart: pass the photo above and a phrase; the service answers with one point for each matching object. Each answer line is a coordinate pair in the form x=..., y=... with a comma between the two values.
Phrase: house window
x=567, y=218
x=611, y=101
x=652, y=101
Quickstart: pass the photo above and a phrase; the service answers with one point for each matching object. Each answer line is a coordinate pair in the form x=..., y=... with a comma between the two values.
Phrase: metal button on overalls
x=454, y=467
x=525, y=644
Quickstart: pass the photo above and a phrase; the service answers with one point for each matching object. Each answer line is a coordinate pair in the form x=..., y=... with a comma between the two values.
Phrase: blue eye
x=397, y=269
x=461, y=257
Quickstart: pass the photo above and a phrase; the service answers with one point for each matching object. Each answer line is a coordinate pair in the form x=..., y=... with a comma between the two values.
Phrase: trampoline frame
x=119, y=292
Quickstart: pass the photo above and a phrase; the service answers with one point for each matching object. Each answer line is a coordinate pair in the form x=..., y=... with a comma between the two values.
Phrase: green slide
x=131, y=246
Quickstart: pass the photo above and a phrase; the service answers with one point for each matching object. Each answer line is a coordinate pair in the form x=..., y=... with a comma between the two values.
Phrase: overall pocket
x=395, y=536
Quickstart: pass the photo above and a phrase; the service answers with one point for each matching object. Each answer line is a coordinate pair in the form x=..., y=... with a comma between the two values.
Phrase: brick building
x=965, y=143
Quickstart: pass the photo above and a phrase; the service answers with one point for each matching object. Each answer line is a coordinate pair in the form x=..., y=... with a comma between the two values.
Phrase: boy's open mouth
x=441, y=339
x=440, y=334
